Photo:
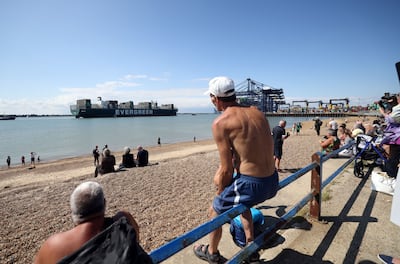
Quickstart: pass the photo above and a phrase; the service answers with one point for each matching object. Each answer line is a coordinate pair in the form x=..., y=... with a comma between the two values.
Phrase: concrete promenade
x=355, y=224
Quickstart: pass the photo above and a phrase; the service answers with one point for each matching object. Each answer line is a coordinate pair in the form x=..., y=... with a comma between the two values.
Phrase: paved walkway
x=355, y=225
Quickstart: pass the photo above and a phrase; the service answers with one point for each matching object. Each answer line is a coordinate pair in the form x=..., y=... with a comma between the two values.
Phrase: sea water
x=53, y=138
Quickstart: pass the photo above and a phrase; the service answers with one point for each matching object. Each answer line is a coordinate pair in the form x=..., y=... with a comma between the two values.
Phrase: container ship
x=7, y=117
x=111, y=108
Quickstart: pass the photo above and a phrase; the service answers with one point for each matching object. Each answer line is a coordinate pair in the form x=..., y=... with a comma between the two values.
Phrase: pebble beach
x=167, y=199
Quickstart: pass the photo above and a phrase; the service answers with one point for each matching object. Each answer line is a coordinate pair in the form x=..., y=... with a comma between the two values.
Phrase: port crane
x=319, y=103
x=343, y=103
x=284, y=107
x=269, y=99
x=265, y=97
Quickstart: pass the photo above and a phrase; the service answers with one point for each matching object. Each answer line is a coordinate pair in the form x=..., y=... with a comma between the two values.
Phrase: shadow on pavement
x=291, y=256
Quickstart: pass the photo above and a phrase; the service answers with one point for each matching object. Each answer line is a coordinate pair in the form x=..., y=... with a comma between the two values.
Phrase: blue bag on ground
x=237, y=230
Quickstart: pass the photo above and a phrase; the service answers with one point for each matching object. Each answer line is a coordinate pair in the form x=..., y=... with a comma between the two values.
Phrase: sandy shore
x=166, y=199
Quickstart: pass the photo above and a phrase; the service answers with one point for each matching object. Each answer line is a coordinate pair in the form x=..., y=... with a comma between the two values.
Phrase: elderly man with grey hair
x=128, y=160
x=142, y=157
x=88, y=214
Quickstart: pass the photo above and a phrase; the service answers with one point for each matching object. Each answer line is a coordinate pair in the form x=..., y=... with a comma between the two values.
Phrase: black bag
x=116, y=244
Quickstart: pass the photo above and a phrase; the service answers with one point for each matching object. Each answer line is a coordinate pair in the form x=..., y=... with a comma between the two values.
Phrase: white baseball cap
x=221, y=87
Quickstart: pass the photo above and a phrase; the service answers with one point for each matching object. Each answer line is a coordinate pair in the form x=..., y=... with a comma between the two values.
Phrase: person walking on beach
x=159, y=141
x=298, y=128
x=242, y=134
x=105, y=147
x=33, y=160
x=23, y=160
x=102, y=151
x=279, y=135
x=317, y=125
x=96, y=155
x=8, y=161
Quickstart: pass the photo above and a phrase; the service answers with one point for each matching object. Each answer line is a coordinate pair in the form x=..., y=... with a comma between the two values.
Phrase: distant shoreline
x=70, y=115
x=343, y=114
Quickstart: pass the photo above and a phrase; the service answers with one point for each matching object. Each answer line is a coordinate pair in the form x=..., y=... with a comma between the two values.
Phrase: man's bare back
x=65, y=243
x=243, y=133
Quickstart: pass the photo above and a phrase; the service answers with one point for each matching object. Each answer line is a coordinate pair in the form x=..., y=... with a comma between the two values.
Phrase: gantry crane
x=266, y=98
x=344, y=103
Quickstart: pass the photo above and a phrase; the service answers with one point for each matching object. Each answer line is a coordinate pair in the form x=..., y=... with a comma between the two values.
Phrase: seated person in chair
x=107, y=163
x=142, y=157
x=88, y=214
x=127, y=159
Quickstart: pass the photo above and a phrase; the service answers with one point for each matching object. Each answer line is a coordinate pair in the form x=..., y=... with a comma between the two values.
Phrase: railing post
x=315, y=203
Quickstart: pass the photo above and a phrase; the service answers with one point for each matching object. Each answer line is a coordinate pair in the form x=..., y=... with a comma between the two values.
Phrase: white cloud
x=132, y=76
x=111, y=85
x=145, y=77
x=158, y=79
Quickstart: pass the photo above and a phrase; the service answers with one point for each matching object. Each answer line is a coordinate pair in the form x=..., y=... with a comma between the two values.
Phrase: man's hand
x=221, y=180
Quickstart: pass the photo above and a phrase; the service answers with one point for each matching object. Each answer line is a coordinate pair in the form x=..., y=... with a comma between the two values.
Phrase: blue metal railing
x=181, y=242
x=188, y=238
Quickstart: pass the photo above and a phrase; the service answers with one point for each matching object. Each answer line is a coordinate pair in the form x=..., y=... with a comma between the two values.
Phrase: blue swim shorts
x=246, y=190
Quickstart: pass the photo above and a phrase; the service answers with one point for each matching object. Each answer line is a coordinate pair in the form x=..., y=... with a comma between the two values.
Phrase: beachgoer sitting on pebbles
x=142, y=157
x=127, y=159
x=107, y=163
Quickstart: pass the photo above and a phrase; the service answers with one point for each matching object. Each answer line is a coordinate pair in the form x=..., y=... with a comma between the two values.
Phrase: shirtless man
x=88, y=208
x=241, y=134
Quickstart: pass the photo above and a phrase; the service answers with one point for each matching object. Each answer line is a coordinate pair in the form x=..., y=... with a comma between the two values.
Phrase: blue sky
x=53, y=52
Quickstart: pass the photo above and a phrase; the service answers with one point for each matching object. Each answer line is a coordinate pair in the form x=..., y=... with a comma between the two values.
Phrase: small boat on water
x=111, y=108
x=7, y=117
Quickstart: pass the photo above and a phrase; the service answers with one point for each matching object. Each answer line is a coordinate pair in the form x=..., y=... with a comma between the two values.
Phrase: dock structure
x=265, y=97
x=272, y=100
